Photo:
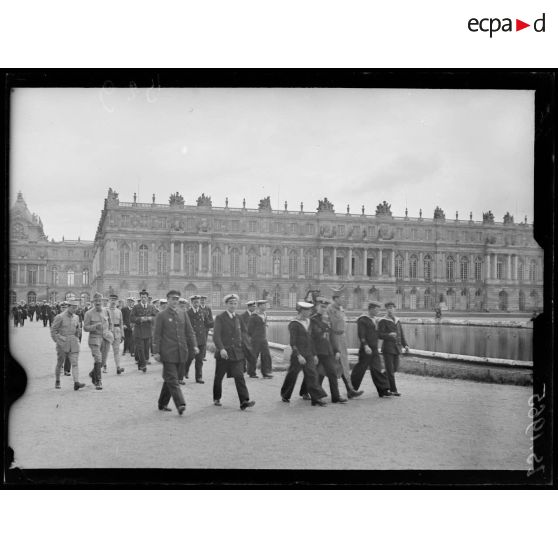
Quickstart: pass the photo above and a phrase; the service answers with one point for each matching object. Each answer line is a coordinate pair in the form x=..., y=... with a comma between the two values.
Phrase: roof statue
x=325, y=205
x=265, y=204
x=439, y=214
x=176, y=199
x=508, y=219
x=383, y=208
x=204, y=201
x=112, y=198
x=488, y=217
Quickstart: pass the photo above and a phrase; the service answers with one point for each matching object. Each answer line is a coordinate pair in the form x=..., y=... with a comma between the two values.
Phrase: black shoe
x=105, y=369
x=385, y=393
x=144, y=369
x=99, y=385
x=285, y=400
x=67, y=374
x=78, y=385
x=165, y=408
x=119, y=370
x=352, y=394
x=93, y=381
x=252, y=376
x=340, y=400
x=181, y=409
x=200, y=382
x=306, y=397
x=182, y=382
x=57, y=384
x=247, y=404
x=267, y=376
x=148, y=362
x=319, y=403
x=217, y=403
x=396, y=393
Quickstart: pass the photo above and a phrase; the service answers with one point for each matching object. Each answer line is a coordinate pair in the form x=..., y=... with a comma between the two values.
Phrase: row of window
x=32, y=277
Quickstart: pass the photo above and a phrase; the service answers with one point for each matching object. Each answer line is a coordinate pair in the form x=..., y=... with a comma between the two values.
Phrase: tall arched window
x=399, y=298
x=70, y=276
x=427, y=262
x=252, y=264
x=413, y=266
x=503, y=301
x=292, y=297
x=398, y=267
x=143, y=260
x=190, y=260
x=162, y=261
x=465, y=299
x=293, y=265
x=464, y=269
x=13, y=298
x=428, y=300
x=450, y=269
x=277, y=263
x=478, y=269
x=216, y=295
x=124, y=260
x=521, y=301
x=276, y=300
x=85, y=276
x=235, y=262
x=308, y=265
x=499, y=268
x=532, y=270
x=252, y=292
x=413, y=299
x=217, y=263
x=451, y=296
x=478, y=302
x=520, y=271
x=31, y=297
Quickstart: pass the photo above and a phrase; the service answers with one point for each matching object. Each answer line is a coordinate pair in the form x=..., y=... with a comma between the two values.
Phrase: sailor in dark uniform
x=257, y=330
x=249, y=362
x=198, y=321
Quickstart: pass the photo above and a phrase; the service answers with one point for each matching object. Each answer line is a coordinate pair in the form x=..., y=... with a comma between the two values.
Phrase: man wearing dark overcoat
x=173, y=341
x=303, y=357
x=198, y=320
x=368, y=353
x=128, y=337
x=391, y=333
x=229, y=353
x=249, y=362
x=257, y=330
x=142, y=316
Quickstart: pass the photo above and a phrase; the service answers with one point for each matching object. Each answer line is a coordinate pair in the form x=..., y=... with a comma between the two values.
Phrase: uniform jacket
x=66, y=332
x=391, y=346
x=126, y=312
x=199, y=324
x=90, y=321
x=228, y=334
x=209, y=317
x=174, y=337
x=301, y=340
x=257, y=327
x=246, y=318
x=320, y=333
x=143, y=330
x=116, y=323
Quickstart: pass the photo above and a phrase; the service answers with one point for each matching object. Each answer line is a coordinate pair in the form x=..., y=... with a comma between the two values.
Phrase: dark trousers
x=260, y=348
x=373, y=363
x=249, y=362
x=142, y=350
x=234, y=368
x=311, y=382
x=16, y=321
x=170, y=386
x=128, y=341
x=326, y=368
x=392, y=365
x=182, y=371
x=67, y=364
x=199, y=362
x=45, y=320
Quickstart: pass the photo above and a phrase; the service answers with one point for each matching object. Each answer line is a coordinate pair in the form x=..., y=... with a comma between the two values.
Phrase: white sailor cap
x=251, y=303
x=302, y=304
x=230, y=297
x=163, y=301
x=262, y=301
x=182, y=300
x=194, y=297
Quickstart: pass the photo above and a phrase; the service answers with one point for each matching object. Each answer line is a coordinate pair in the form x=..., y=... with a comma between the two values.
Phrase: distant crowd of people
x=175, y=331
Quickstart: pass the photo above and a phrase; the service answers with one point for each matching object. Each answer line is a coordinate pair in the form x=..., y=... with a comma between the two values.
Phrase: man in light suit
x=229, y=353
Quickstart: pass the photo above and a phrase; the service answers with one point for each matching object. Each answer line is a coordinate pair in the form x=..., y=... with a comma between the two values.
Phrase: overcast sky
x=462, y=150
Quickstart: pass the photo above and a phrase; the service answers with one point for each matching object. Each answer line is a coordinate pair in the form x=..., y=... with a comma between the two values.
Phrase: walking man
x=249, y=361
x=338, y=323
x=257, y=330
x=391, y=332
x=198, y=320
x=66, y=333
x=127, y=327
x=116, y=322
x=368, y=354
x=142, y=316
x=303, y=357
x=229, y=354
x=97, y=322
x=173, y=341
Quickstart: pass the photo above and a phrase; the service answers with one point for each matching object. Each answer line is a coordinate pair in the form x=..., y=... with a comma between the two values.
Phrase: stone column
x=515, y=266
x=489, y=266
x=393, y=263
x=334, y=260
x=321, y=261
x=182, y=257
x=509, y=270
x=209, y=257
x=301, y=261
x=350, y=270
x=172, y=256
x=18, y=277
x=200, y=257
x=380, y=262
x=25, y=274
x=364, y=261
x=420, y=266
x=406, y=273
x=227, y=262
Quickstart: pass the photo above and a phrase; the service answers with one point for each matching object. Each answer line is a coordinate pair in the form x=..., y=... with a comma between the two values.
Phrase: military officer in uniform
x=173, y=341
x=257, y=330
x=97, y=322
x=116, y=322
x=303, y=357
x=249, y=361
x=391, y=333
x=66, y=333
x=127, y=327
x=368, y=353
x=208, y=313
x=142, y=316
x=229, y=353
x=199, y=325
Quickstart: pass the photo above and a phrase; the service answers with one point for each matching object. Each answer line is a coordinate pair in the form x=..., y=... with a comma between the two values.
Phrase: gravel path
x=436, y=424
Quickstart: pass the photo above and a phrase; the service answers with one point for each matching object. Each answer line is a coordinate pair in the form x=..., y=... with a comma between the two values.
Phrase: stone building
x=41, y=269
x=417, y=262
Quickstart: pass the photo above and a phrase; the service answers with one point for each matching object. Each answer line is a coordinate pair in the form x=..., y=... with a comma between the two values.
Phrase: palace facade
x=280, y=254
